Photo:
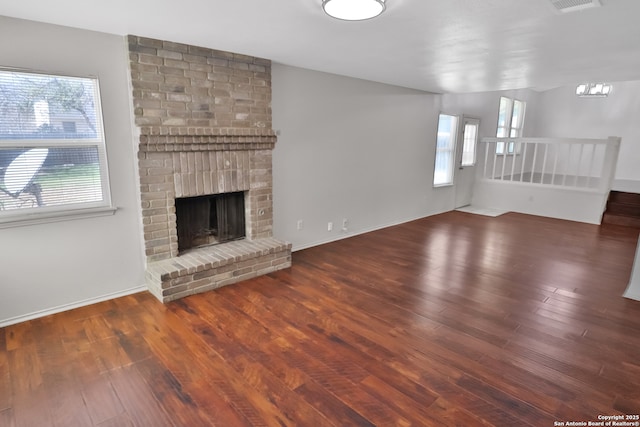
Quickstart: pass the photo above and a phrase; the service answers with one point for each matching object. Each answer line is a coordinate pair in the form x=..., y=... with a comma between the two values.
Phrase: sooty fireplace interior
x=208, y=220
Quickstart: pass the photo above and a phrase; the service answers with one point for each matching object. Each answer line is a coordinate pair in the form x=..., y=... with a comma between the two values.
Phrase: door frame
x=468, y=170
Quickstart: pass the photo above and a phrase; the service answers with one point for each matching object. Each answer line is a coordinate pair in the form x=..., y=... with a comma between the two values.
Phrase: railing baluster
x=555, y=164
x=533, y=164
x=486, y=159
x=566, y=167
x=591, y=162
x=524, y=159
x=577, y=179
x=504, y=160
x=495, y=161
x=544, y=163
x=513, y=159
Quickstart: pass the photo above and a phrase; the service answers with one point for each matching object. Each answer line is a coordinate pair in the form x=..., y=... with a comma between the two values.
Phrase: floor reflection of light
x=490, y=252
x=460, y=267
x=445, y=253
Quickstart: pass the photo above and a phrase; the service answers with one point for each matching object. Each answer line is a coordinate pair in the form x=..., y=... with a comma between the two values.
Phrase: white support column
x=609, y=164
x=633, y=290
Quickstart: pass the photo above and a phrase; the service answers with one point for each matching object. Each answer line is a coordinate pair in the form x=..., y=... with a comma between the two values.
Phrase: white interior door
x=466, y=161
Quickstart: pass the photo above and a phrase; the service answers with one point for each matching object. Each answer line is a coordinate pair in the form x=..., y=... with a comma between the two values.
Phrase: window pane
x=39, y=106
x=445, y=145
x=469, y=145
x=446, y=129
x=504, y=113
x=504, y=122
x=518, y=115
x=40, y=177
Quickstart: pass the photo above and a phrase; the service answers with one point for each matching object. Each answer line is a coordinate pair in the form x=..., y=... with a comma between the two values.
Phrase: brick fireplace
x=204, y=122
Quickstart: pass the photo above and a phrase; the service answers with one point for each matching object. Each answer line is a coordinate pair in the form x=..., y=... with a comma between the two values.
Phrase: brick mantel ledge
x=205, y=142
x=205, y=131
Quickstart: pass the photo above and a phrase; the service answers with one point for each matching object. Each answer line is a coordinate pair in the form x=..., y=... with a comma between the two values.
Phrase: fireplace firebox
x=208, y=220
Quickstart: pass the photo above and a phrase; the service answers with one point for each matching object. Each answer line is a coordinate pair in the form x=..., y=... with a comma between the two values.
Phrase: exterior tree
x=19, y=93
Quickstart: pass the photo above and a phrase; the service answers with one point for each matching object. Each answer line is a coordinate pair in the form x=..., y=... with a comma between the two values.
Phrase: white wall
x=48, y=267
x=352, y=149
x=562, y=114
x=360, y=150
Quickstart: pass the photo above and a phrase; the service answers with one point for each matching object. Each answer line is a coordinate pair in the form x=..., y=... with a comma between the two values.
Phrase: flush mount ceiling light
x=353, y=10
x=593, y=89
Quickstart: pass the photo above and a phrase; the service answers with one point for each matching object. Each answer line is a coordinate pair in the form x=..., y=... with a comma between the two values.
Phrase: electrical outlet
x=300, y=225
x=345, y=224
x=330, y=226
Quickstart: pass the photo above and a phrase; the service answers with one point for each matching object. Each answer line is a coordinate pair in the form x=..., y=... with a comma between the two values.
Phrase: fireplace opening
x=208, y=220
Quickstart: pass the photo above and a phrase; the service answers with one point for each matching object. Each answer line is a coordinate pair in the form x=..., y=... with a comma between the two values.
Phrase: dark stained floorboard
x=451, y=320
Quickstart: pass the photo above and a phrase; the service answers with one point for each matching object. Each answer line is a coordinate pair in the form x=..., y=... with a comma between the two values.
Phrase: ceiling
x=453, y=46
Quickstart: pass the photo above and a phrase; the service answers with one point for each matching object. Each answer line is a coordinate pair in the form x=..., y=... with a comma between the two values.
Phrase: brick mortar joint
x=206, y=138
x=205, y=147
x=194, y=131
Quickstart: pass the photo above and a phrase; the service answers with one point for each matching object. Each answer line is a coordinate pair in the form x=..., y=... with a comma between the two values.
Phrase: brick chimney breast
x=204, y=124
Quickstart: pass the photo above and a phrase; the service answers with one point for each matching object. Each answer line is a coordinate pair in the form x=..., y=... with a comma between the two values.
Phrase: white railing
x=587, y=164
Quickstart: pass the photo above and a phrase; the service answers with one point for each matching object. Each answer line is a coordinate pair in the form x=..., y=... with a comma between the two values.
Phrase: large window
x=510, y=123
x=52, y=151
x=445, y=150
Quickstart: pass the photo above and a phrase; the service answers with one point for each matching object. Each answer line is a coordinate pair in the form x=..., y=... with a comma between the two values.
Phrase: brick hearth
x=204, y=121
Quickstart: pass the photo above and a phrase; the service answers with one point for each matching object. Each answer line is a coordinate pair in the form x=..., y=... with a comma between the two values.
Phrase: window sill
x=48, y=217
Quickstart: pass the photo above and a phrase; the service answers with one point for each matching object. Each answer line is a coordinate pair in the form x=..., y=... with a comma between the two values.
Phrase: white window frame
x=45, y=214
x=510, y=128
x=450, y=150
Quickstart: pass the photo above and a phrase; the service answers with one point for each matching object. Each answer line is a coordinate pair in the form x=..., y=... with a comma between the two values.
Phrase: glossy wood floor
x=456, y=319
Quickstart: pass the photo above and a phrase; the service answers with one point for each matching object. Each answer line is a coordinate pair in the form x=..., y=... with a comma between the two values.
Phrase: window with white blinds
x=52, y=148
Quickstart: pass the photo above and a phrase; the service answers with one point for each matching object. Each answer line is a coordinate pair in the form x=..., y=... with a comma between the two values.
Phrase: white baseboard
x=70, y=306
x=346, y=235
x=632, y=293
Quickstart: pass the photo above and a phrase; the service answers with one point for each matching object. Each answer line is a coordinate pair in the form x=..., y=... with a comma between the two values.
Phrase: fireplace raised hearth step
x=208, y=268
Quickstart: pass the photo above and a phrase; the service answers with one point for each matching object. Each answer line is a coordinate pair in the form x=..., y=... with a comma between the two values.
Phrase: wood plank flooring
x=455, y=319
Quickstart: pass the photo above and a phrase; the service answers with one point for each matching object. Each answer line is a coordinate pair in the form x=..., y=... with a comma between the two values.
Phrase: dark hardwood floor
x=455, y=319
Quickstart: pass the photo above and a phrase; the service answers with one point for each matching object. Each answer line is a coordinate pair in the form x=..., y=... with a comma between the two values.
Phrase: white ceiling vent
x=565, y=6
